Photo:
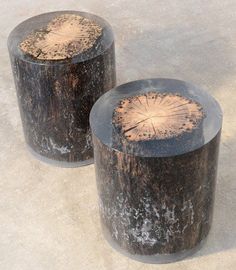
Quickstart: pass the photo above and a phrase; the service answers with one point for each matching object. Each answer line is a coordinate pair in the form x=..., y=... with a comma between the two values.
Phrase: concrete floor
x=48, y=215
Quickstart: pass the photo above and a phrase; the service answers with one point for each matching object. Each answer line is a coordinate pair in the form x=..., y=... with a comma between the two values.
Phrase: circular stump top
x=60, y=36
x=156, y=117
x=153, y=116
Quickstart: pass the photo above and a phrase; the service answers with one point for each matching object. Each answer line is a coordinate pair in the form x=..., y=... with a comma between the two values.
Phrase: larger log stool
x=62, y=63
x=156, y=148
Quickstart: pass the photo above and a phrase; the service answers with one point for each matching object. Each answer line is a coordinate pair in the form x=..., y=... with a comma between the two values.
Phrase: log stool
x=156, y=147
x=62, y=63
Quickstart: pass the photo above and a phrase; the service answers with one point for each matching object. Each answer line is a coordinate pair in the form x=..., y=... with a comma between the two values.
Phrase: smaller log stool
x=62, y=63
x=156, y=148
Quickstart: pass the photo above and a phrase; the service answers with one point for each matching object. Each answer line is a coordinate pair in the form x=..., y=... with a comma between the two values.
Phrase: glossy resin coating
x=156, y=146
x=62, y=63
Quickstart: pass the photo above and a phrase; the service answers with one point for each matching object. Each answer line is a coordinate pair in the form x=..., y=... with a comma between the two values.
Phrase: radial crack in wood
x=156, y=116
x=64, y=36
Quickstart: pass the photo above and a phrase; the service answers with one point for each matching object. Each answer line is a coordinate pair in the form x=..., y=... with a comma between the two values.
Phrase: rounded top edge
x=182, y=119
x=94, y=42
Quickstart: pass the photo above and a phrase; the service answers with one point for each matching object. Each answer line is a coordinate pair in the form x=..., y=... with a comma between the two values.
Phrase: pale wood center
x=156, y=116
x=64, y=36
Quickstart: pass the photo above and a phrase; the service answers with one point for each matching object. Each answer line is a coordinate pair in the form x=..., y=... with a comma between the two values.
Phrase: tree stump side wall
x=55, y=102
x=151, y=205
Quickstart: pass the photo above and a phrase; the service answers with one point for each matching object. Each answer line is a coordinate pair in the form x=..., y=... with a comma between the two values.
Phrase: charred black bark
x=156, y=205
x=156, y=180
x=55, y=97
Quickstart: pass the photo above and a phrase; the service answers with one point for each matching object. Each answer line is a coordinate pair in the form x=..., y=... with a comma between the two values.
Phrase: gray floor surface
x=48, y=215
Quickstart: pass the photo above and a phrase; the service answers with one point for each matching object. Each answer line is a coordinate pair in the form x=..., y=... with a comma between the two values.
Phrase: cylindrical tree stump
x=62, y=63
x=156, y=147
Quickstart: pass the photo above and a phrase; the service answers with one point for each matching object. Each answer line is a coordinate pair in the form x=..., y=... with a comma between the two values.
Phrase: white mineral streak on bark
x=71, y=125
x=88, y=139
x=146, y=232
x=61, y=149
x=172, y=223
x=44, y=143
x=188, y=207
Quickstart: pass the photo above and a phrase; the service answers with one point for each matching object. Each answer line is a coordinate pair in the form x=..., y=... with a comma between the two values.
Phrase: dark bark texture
x=156, y=205
x=55, y=101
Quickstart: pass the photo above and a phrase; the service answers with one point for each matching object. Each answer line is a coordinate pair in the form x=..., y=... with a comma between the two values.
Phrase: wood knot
x=64, y=36
x=156, y=116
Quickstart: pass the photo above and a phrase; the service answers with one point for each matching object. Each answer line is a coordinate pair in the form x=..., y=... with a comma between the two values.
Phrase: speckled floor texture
x=48, y=215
